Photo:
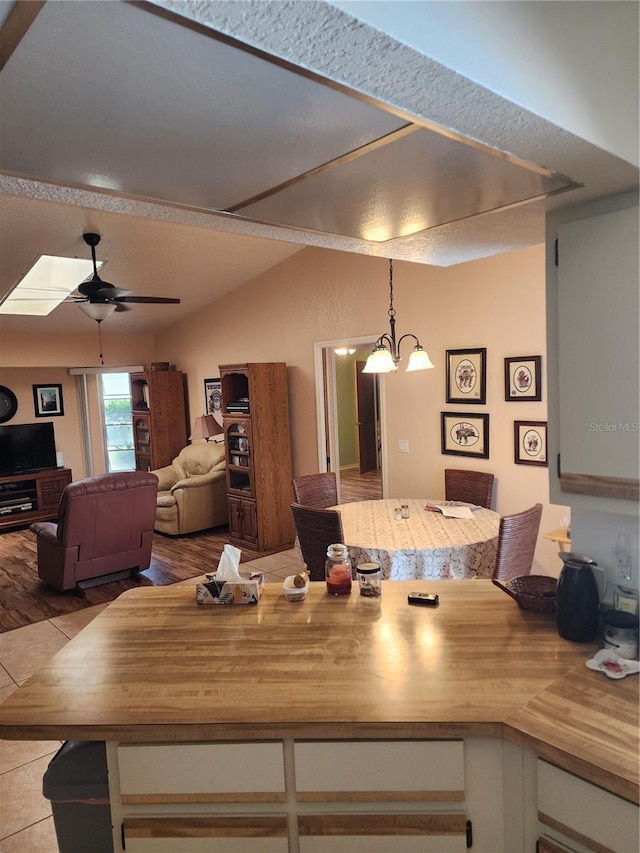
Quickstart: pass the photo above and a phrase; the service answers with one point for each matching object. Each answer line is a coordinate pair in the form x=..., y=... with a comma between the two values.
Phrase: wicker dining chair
x=316, y=529
x=517, y=543
x=316, y=490
x=474, y=487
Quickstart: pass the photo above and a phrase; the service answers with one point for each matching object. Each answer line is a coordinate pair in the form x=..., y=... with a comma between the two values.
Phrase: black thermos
x=577, y=602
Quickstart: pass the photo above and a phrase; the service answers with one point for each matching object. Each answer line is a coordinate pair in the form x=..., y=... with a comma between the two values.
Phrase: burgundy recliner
x=103, y=533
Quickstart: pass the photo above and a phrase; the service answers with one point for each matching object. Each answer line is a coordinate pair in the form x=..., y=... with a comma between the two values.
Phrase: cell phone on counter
x=424, y=599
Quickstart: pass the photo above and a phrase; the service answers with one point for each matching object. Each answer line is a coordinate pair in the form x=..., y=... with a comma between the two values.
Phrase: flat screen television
x=26, y=447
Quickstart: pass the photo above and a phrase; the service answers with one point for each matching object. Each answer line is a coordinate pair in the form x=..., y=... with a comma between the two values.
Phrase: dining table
x=426, y=544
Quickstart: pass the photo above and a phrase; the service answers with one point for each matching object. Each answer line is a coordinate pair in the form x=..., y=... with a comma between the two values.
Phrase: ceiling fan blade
x=109, y=291
x=147, y=299
x=120, y=307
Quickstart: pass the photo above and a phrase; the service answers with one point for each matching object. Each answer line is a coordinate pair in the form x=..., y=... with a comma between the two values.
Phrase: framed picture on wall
x=213, y=398
x=523, y=378
x=47, y=401
x=467, y=375
x=465, y=434
x=530, y=441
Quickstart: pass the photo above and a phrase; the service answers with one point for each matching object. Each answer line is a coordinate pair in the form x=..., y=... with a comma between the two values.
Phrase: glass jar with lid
x=369, y=579
x=338, y=570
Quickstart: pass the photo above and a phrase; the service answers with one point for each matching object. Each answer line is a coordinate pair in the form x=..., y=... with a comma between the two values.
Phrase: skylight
x=49, y=281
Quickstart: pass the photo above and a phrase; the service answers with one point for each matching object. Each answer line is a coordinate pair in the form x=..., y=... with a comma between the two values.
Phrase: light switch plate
x=403, y=445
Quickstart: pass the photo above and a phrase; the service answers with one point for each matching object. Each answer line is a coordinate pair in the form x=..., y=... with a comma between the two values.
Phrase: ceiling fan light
x=380, y=361
x=97, y=311
x=419, y=359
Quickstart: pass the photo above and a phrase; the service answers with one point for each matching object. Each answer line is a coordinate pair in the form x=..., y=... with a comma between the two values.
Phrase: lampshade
x=97, y=311
x=205, y=427
x=380, y=361
x=419, y=360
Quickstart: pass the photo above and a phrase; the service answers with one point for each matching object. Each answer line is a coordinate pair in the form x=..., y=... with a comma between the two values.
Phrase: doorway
x=350, y=408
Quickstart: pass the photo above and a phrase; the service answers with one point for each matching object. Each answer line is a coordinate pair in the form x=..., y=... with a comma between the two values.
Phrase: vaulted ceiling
x=207, y=142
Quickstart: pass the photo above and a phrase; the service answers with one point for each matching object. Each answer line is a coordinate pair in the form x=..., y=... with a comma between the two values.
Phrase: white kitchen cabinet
x=382, y=833
x=597, y=351
x=218, y=772
x=582, y=816
x=357, y=797
x=197, y=835
x=401, y=769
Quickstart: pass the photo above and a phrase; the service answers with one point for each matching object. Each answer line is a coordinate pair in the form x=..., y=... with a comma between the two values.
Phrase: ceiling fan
x=99, y=299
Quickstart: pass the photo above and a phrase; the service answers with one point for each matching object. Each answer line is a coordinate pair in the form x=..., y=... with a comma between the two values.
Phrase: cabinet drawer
x=243, y=834
x=204, y=773
x=598, y=820
x=380, y=833
x=374, y=770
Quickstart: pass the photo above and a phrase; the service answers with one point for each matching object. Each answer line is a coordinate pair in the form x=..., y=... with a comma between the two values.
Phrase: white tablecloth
x=426, y=545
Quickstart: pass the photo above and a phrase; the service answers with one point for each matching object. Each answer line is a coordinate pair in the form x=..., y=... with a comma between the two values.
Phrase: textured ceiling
x=204, y=160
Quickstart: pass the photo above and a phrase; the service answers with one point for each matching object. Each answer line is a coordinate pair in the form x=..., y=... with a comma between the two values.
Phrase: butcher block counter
x=155, y=668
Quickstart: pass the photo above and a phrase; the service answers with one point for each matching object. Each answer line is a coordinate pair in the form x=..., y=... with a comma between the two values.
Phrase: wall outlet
x=625, y=569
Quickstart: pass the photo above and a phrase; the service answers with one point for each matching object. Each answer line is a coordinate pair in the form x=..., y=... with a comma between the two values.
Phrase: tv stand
x=25, y=498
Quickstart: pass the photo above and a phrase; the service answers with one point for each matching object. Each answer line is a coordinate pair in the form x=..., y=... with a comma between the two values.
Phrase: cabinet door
x=243, y=524
x=239, y=450
x=544, y=845
x=50, y=489
x=201, y=773
x=580, y=812
x=381, y=833
x=237, y=834
x=598, y=301
x=401, y=770
x=249, y=522
x=142, y=442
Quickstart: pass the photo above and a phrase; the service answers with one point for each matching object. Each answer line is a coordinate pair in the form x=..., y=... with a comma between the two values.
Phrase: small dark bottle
x=577, y=602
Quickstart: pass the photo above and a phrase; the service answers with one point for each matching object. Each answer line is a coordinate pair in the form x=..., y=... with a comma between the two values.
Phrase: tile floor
x=26, y=824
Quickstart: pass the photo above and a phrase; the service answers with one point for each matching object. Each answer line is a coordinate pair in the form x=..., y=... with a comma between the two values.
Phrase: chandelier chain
x=392, y=310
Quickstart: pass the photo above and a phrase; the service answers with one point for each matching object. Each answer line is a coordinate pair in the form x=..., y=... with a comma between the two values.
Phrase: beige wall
x=75, y=350
x=320, y=295
x=67, y=426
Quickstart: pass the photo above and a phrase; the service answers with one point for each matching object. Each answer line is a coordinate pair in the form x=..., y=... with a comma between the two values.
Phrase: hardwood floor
x=360, y=487
x=25, y=599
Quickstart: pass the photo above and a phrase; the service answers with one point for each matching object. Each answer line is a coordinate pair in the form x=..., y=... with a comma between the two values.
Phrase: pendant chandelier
x=386, y=354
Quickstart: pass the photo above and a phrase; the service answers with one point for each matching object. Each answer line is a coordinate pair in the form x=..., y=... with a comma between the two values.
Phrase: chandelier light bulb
x=386, y=354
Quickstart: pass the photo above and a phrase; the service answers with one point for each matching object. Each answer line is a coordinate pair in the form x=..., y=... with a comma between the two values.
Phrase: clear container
x=405, y=510
x=369, y=579
x=338, y=570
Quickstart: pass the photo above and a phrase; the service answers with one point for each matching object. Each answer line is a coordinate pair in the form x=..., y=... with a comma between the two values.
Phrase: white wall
x=573, y=63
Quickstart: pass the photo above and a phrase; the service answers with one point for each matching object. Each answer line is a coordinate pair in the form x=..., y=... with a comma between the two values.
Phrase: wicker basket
x=532, y=592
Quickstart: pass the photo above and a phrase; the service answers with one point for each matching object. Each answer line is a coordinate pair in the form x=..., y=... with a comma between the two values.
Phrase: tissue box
x=248, y=591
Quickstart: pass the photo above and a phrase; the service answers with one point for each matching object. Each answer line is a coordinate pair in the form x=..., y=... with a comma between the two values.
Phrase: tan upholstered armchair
x=192, y=491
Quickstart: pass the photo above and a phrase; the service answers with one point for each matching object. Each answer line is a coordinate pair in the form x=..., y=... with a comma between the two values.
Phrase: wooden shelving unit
x=159, y=417
x=255, y=405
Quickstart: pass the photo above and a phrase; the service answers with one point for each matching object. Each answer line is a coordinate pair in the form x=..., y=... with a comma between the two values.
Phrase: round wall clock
x=8, y=404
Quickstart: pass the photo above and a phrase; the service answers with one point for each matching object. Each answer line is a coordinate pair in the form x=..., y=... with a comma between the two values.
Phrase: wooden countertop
x=155, y=666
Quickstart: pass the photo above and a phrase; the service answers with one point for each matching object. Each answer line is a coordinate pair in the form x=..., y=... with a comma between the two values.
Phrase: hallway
x=360, y=487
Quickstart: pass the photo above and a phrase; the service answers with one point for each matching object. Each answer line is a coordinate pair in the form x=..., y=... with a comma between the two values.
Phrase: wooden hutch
x=255, y=409
x=159, y=417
